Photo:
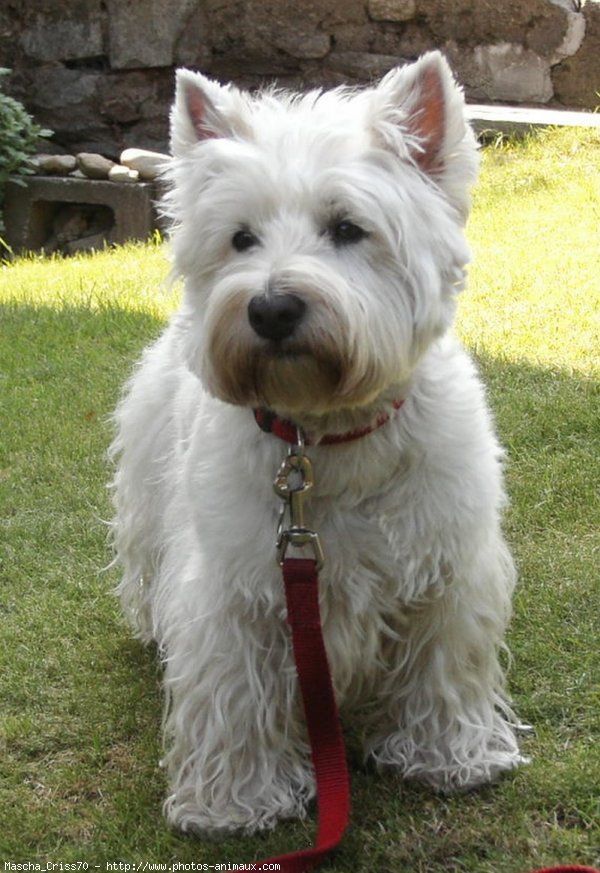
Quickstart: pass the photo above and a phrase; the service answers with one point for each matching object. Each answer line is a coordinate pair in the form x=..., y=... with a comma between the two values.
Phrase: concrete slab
x=518, y=120
x=33, y=206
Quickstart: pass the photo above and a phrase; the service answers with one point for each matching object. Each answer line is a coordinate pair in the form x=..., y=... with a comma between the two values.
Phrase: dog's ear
x=202, y=110
x=420, y=113
x=425, y=106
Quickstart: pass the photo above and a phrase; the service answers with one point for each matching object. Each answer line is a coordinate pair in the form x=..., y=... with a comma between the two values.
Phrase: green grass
x=80, y=701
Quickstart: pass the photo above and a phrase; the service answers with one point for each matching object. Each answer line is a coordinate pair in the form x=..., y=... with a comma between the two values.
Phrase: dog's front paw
x=238, y=809
x=468, y=775
x=447, y=768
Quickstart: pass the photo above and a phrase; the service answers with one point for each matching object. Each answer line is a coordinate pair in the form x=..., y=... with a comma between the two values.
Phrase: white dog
x=321, y=242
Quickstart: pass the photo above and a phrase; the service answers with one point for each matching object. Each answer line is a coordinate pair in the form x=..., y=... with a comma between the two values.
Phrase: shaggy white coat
x=416, y=589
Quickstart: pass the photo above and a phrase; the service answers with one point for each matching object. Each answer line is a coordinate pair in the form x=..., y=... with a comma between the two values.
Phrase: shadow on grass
x=81, y=700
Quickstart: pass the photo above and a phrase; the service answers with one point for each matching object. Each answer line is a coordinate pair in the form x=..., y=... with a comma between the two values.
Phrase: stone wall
x=100, y=72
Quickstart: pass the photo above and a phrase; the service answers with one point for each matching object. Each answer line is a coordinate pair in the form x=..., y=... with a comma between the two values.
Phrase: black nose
x=275, y=316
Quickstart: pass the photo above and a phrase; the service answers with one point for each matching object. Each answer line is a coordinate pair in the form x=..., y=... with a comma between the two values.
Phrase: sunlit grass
x=534, y=291
x=133, y=277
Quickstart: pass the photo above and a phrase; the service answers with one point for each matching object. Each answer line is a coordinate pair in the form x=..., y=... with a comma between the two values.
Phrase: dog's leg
x=237, y=757
x=136, y=537
x=145, y=452
x=444, y=688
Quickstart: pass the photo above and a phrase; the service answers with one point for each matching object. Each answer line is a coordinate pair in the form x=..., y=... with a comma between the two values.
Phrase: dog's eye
x=345, y=233
x=243, y=240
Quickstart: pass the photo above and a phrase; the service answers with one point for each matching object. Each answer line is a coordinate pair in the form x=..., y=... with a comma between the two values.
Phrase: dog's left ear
x=420, y=113
x=202, y=110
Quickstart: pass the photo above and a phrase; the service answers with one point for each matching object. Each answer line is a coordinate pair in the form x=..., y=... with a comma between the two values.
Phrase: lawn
x=80, y=703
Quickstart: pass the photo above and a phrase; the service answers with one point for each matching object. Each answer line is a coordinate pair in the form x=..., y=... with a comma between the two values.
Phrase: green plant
x=19, y=134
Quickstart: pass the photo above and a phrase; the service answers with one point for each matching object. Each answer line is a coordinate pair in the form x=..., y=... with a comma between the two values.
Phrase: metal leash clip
x=293, y=482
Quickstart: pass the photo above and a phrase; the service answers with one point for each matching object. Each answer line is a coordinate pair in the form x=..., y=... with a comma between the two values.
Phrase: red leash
x=569, y=868
x=301, y=580
x=322, y=721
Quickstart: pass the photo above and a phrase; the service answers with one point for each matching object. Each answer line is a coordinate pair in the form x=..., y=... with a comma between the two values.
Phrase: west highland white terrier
x=320, y=237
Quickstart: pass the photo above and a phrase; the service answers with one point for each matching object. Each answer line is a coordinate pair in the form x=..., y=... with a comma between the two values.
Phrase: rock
x=354, y=38
x=59, y=37
x=362, y=66
x=94, y=166
x=572, y=40
x=555, y=35
x=70, y=222
x=145, y=33
x=95, y=242
x=277, y=34
x=121, y=109
x=66, y=101
x=566, y=4
x=392, y=10
x=119, y=173
x=148, y=164
x=510, y=72
x=576, y=78
x=193, y=47
x=52, y=165
x=304, y=46
x=79, y=227
x=488, y=22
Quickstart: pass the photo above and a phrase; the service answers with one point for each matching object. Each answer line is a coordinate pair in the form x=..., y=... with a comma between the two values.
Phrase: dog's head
x=320, y=236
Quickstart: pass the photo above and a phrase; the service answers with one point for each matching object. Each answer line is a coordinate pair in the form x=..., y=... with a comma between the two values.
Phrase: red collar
x=286, y=430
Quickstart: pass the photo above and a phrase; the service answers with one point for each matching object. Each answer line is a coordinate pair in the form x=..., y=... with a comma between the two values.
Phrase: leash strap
x=568, y=868
x=322, y=721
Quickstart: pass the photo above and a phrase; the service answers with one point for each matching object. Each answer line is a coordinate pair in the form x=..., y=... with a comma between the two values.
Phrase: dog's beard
x=314, y=373
x=292, y=381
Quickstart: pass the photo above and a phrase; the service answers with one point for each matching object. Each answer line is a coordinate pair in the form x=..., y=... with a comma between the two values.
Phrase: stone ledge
x=520, y=119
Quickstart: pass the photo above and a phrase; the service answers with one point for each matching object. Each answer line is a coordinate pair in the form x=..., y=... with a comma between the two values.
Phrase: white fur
x=415, y=592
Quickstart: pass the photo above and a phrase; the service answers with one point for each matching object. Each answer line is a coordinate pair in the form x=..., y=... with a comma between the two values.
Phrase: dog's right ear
x=202, y=110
